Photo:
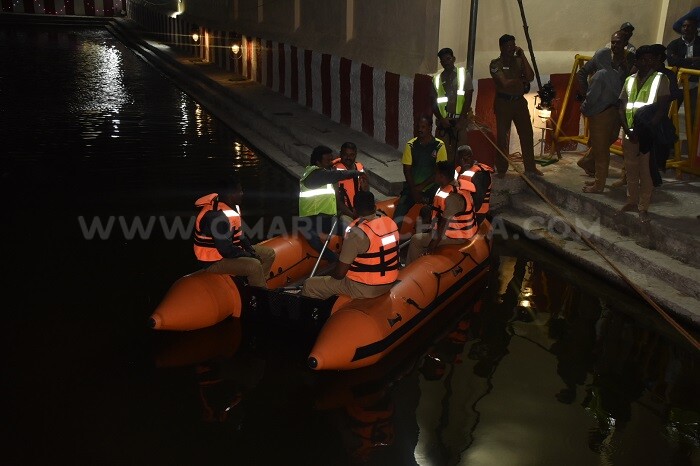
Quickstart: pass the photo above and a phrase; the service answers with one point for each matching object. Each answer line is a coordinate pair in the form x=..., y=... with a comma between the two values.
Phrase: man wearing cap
x=646, y=87
x=452, y=102
x=512, y=75
x=627, y=29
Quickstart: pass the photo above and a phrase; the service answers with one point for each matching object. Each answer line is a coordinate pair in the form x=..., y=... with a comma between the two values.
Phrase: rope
x=588, y=243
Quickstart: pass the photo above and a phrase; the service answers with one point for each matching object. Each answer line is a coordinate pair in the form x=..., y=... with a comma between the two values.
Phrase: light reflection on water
x=547, y=367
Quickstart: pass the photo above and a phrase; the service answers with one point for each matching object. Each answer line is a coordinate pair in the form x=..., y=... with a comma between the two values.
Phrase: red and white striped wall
x=382, y=104
x=377, y=102
x=65, y=7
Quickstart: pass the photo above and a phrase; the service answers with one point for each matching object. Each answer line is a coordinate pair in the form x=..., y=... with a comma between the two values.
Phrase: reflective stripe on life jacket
x=204, y=248
x=348, y=188
x=314, y=201
x=380, y=264
x=465, y=182
x=463, y=224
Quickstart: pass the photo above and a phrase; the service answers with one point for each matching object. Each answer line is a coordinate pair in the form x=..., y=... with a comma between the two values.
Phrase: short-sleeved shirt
x=355, y=242
x=435, y=149
x=511, y=68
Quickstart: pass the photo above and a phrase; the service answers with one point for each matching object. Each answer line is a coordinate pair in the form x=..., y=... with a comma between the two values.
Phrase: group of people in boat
x=335, y=198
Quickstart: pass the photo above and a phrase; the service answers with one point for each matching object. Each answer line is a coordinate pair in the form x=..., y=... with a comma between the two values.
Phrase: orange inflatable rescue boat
x=353, y=333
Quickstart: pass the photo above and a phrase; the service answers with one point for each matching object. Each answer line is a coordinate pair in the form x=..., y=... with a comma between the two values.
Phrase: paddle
x=325, y=245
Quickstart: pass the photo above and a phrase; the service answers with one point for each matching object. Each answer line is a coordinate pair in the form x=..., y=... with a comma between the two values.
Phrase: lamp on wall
x=235, y=45
x=195, y=33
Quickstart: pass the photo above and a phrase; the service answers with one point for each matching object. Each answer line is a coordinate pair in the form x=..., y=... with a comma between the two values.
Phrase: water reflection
x=548, y=367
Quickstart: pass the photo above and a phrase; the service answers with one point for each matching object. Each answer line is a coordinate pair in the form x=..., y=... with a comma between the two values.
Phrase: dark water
x=547, y=366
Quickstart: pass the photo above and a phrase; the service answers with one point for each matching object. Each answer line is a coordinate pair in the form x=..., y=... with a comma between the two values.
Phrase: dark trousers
x=312, y=228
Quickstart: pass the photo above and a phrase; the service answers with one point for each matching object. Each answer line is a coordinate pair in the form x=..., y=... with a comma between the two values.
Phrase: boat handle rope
x=644, y=295
x=283, y=271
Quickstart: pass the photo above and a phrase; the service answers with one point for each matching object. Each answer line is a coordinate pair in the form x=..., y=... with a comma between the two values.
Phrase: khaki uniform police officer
x=512, y=74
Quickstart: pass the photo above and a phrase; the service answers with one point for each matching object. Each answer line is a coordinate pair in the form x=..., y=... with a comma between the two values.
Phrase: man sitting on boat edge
x=453, y=216
x=369, y=259
x=219, y=243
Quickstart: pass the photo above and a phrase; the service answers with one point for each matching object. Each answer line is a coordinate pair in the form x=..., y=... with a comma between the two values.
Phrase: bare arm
x=528, y=73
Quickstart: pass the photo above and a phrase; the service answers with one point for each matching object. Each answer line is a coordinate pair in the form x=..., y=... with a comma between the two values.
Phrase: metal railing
x=688, y=163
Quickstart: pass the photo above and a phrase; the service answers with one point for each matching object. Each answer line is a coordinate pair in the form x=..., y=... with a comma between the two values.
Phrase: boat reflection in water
x=223, y=377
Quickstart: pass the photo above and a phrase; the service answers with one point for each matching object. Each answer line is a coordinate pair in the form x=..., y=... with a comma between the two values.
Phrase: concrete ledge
x=281, y=128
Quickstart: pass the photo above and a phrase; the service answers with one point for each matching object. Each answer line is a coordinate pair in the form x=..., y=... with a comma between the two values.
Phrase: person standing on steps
x=452, y=102
x=684, y=52
x=622, y=63
x=600, y=107
x=647, y=86
x=512, y=74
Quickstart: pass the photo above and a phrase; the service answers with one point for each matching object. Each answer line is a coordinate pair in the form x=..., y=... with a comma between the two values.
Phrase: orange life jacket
x=380, y=264
x=204, y=248
x=465, y=182
x=463, y=224
x=348, y=188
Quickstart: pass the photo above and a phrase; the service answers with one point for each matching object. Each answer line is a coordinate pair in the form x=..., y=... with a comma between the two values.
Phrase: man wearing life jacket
x=347, y=188
x=219, y=243
x=643, y=88
x=419, y=158
x=317, y=198
x=475, y=177
x=369, y=260
x=454, y=221
x=452, y=102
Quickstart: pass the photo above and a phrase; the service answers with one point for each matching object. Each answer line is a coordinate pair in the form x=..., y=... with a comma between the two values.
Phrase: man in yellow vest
x=369, y=260
x=452, y=102
x=646, y=87
x=317, y=198
x=453, y=216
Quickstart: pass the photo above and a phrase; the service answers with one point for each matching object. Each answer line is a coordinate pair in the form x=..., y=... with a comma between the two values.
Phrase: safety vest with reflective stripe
x=638, y=98
x=463, y=224
x=442, y=97
x=204, y=248
x=465, y=182
x=380, y=264
x=348, y=188
x=316, y=201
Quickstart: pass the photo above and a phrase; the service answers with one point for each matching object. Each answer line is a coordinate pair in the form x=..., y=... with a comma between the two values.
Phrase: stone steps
x=673, y=284
x=675, y=237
